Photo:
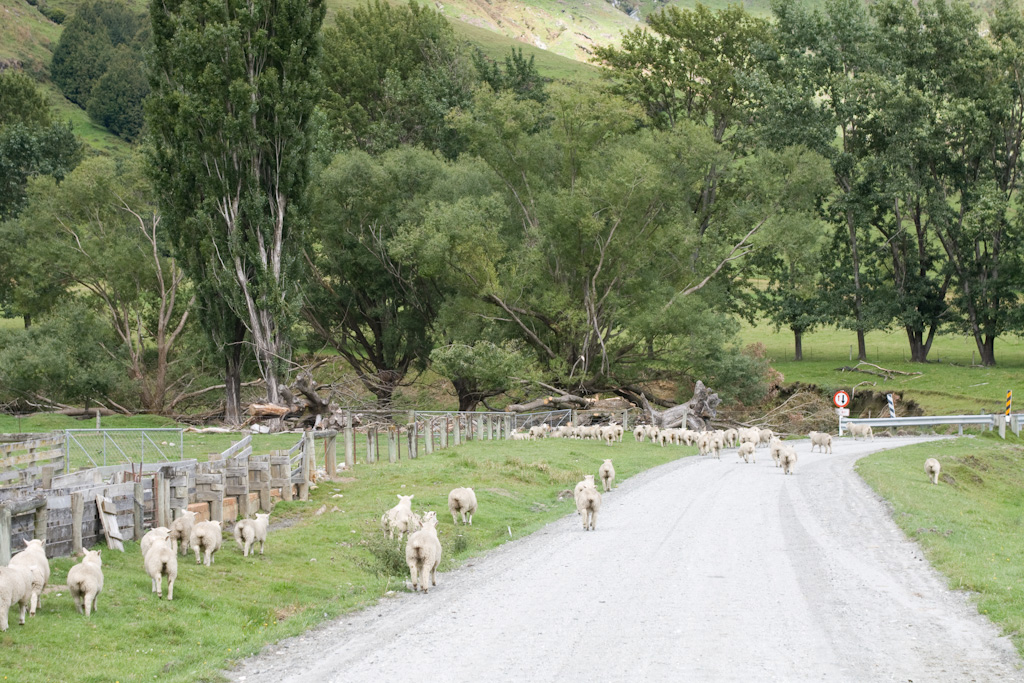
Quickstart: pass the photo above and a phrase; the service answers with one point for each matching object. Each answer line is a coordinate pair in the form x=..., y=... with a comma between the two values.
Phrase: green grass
x=314, y=570
x=942, y=388
x=971, y=524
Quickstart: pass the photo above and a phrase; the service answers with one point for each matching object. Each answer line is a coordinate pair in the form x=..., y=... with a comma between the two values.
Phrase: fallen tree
x=695, y=413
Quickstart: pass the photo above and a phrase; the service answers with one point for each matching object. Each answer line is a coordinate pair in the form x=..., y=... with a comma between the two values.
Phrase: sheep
x=423, y=553
x=563, y=432
x=687, y=436
x=154, y=535
x=160, y=561
x=400, y=518
x=618, y=430
x=639, y=432
x=664, y=436
x=764, y=436
x=462, y=501
x=537, y=432
x=85, y=581
x=731, y=436
x=15, y=588
x=716, y=443
x=774, y=446
x=607, y=474
x=822, y=440
x=749, y=435
x=788, y=457
x=608, y=435
x=181, y=531
x=588, y=503
x=932, y=469
x=33, y=558
x=704, y=443
x=519, y=436
x=249, y=532
x=652, y=433
x=588, y=480
x=206, y=538
x=747, y=452
x=860, y=430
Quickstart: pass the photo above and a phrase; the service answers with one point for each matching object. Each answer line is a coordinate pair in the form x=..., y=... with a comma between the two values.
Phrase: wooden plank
x=109, y=521
x=5, y=535
x=77, y=512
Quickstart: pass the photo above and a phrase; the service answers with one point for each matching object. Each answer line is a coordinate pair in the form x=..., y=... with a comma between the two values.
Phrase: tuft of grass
x=316, y=567
x=970, y=524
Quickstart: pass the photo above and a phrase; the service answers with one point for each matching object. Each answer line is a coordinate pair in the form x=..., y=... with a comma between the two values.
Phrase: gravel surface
x=699, y=570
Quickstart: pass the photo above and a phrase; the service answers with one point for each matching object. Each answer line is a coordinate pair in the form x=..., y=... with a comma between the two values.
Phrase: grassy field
x=950, y=385
x=316, y=568
x=970, y=524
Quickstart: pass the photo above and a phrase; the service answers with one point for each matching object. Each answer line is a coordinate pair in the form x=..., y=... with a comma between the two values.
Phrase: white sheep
x=249, y=532
x=747, y=452
x=731, y=436
x=608, y=435
x=206, y=538
x=619, y=431
x=687, y=436
x=607, y=474
x=519, y=436
x=400, y=518
x=15, y=589
x=653, y=432
x=774, y=447
x=588, y=480
x=588, y=503
x=537, y=432
x=462, y=501
x=749, y=435
x=639, y=432
x=764, y=436
x=715, y=444
x=85, y=581
x=787, y=455
x=154, y=535
x=860, y=430
x=823, y=440
x=162, y=560
x=33, y=558
x=704, y=443
x=181, y=531
x=932, y=469
x=423, y=553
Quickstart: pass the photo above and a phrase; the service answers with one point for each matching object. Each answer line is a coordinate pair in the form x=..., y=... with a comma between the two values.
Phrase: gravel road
x=699, y=570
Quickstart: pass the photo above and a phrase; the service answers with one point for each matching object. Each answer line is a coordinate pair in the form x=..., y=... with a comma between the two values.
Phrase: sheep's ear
x=398, y=496
x=412, y=496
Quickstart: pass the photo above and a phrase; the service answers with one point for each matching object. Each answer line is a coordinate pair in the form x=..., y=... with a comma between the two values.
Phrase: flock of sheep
x=23, y=580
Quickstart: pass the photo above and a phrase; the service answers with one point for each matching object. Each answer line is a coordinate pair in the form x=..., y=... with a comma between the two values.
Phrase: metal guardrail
x=988, y=421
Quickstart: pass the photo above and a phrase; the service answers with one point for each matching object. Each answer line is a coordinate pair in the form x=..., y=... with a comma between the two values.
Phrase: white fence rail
x=987, y=421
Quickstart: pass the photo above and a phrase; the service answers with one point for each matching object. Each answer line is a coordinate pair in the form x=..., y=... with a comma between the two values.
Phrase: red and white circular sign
x=841, y=399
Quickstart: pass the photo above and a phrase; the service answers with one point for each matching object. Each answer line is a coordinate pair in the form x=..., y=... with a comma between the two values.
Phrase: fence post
x=625, y=420
x=444, y=431
x=413, y=436
x=392, y=443
x=1001, y=421
x=139, y=510
x=508, y=426
x=331, y=455
x=77, y=514
x=457, y=432
x=5, y=535
x=428, y=443
x=158, y=503
x=308, y=454
x=371, y=445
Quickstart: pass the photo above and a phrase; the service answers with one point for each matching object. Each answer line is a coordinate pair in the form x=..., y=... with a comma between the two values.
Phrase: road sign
x=843, y=412
x=1009, y=402
x=892, y=406
x=841, y=399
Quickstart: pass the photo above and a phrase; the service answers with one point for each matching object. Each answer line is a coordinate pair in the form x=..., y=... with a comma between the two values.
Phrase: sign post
x=1009, y=402
x=841, y=399
x=892, y=406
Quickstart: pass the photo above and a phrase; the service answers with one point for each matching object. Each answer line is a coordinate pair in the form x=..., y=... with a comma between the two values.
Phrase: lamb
x=639, y=432
x=764, y=436
x=822, y=440
x=588, y=503
x=607, y=474
x=609, y=435
x=206, y=538
x=652, y=433
x=423, y=553
x=787, y=455
x=154, y=535
x=860, y=430
x=33, y=558
x=462, y=501
x=932, y=469
x=249, y=532
x=774, y=446
x=704, y=443
x=519, y=436
x=747, y=452
x=664, y=436
x=85, y=581
x=160, y=561
x=400, y=518
x=537, y=432
x=715, y=444
x=750, y=435
x=619, y=431
x=181, y=531
x=15, y=588
x=588, y=480
x=731, y=436
x=687, y=436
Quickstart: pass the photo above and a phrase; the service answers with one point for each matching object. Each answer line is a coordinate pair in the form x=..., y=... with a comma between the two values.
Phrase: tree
x=99, y=232
x=479, y=370
x=233, y=89
x=519, y=74
x=392, y=74
x=116, y=99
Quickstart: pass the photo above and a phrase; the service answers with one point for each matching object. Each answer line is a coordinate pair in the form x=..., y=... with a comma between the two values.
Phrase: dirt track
x=700, y=570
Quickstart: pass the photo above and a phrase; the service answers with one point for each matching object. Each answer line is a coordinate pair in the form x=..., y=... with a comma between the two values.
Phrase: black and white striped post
x=892, y=406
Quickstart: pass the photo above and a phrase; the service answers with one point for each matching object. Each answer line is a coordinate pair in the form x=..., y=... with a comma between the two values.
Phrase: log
x=549, y=402
x=267, y=409
x=696, y=413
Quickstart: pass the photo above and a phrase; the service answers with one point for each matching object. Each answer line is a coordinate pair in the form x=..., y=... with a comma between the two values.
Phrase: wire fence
x=101, y=447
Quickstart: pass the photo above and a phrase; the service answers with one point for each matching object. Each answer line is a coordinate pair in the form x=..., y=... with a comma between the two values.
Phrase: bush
x=54, y=14
x=388, y=555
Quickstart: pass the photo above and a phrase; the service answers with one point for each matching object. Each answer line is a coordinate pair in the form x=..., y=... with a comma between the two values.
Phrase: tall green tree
x=392, y=73
x=234, y=86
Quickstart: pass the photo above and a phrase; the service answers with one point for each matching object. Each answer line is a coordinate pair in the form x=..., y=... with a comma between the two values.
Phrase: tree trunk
x=28, y=320
x=918, y=346
x=862, y=347
x=233, y=383
x=798, y=340
x=986, y=348
x=694, y=414
x=862, y=353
